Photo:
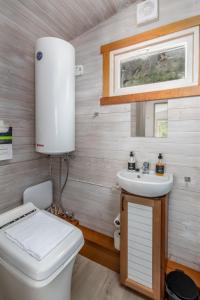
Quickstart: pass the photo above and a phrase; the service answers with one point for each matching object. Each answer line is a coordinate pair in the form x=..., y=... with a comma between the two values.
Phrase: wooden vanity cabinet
x=143, y=244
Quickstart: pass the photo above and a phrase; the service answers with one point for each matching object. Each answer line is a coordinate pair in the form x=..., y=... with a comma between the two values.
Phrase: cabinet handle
x=122, y=203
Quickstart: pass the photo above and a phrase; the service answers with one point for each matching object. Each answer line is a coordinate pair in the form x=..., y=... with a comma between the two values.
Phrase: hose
x=61, y=187
x=66, y=159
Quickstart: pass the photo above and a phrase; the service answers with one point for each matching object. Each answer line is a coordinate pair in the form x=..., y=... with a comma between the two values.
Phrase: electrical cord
x=61, y=187
x=66, y=159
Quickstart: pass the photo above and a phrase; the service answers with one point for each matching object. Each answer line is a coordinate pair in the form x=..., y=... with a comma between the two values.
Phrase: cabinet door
x=140, y=257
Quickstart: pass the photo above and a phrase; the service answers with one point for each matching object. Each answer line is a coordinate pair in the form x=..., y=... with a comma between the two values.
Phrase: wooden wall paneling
x=93, y=169
x=16, y=177
x=151, y=34
x=96, y=206
x=145, y=36
x=17, y=104
x=21, y=25
x=99, y=156
x=63, y=19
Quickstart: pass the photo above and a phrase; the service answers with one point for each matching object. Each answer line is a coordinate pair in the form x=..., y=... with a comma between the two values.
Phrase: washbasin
x=147, y=185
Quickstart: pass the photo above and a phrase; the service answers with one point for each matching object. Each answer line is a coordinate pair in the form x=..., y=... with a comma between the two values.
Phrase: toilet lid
x=13, y=255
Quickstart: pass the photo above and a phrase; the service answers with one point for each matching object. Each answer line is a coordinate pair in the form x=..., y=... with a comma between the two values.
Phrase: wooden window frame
x=153, y=95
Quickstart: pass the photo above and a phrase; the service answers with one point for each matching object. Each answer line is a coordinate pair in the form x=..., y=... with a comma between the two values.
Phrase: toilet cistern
x=38, y=273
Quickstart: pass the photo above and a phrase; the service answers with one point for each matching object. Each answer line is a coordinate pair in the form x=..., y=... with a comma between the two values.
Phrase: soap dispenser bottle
x=160, y=166
x=131, y=162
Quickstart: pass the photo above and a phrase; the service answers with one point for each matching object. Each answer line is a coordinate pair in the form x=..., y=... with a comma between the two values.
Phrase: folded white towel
x=38, y=234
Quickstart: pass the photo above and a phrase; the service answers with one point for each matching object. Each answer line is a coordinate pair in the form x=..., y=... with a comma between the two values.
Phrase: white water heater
x=55, y=96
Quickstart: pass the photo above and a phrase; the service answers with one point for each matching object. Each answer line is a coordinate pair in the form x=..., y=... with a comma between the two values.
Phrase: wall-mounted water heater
x=55, y=99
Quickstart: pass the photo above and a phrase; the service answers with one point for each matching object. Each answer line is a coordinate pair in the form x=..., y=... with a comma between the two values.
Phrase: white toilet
x=22, y=276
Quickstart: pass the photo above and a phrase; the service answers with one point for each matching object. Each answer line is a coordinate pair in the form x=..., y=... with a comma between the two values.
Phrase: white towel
x=38, y=234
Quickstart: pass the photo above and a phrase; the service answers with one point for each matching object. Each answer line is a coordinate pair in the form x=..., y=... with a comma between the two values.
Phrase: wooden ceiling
x=73, y=17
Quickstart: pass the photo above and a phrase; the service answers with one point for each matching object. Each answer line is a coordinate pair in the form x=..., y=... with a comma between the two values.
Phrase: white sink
x=147, y=185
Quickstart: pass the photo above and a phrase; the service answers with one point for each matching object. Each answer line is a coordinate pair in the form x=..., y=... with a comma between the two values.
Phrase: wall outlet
x=79, y=70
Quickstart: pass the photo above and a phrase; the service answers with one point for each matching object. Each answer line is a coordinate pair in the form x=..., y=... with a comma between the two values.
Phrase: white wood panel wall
x=21, y=23
x=103, y=142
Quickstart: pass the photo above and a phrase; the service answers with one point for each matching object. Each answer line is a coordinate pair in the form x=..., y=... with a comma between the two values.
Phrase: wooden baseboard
x=100, y=248
x=195, y=275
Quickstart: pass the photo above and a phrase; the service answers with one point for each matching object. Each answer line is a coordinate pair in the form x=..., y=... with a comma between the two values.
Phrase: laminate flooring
x=92, y=281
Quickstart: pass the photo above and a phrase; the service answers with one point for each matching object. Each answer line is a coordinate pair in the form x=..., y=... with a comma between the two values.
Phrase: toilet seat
x=23, y=262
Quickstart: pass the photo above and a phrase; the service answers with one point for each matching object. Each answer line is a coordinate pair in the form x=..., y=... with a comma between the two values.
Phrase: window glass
x=160, y=120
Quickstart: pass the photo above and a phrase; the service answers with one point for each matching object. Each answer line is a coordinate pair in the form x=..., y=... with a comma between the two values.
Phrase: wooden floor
x=92, y=281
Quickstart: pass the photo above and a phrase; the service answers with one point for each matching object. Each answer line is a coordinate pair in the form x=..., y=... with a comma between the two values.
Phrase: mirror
x=149, y=119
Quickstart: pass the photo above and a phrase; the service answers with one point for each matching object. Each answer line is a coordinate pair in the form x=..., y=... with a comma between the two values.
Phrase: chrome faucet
x=145, y=167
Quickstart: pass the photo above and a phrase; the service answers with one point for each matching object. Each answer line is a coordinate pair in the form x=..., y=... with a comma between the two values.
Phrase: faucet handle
x=145, y=168
x=146, y=165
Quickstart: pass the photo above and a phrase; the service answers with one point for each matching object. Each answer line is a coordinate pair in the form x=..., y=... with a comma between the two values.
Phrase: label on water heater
x=39, y=55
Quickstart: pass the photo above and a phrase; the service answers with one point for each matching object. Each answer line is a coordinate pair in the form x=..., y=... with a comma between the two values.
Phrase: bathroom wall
x=21, y=23
x=103, y=142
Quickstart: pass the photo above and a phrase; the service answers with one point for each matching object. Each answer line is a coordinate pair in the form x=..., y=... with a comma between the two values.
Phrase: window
x=161, y=119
